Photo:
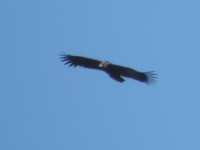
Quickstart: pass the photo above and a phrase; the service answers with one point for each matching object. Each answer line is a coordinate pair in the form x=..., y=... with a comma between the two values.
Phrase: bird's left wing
x=80, y=61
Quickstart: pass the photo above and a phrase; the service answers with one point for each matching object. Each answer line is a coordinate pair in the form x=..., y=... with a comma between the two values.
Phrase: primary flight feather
x=116, y=72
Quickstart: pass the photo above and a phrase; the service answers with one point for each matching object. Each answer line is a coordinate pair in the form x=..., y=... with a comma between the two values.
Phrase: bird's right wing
x=147, y=77
x=80, y=61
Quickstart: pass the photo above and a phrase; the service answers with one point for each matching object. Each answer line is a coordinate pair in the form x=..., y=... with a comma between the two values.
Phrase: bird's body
x=116, y=72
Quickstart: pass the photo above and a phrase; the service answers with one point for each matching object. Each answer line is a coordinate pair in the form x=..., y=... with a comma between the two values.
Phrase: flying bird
x=116, y=72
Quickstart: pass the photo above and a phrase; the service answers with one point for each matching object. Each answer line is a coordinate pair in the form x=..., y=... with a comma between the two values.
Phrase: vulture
x=116, y=72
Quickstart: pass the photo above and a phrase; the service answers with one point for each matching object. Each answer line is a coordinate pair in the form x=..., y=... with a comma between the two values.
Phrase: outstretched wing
x=80, y=61
x=147, y=77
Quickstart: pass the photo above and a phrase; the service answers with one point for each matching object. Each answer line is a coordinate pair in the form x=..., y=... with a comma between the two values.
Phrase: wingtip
x=67, y=60
x=64, y=57
x=151, y=77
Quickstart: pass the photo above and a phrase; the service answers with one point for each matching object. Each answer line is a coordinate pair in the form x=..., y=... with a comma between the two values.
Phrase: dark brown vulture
x=114, y=71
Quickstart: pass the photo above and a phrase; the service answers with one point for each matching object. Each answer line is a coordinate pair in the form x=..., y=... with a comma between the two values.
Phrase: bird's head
x=104, y=64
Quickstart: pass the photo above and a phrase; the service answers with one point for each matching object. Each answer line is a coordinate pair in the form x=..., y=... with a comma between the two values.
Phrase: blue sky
x=46, y=105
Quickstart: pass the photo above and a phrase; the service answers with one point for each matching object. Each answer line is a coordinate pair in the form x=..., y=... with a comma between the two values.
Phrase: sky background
x=46, y=105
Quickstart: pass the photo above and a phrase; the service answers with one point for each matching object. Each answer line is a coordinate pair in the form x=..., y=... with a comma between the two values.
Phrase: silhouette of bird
x=116, y=72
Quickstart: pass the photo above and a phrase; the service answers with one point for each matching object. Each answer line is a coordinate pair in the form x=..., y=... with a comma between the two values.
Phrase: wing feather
x=80, y=61
x=147, y=77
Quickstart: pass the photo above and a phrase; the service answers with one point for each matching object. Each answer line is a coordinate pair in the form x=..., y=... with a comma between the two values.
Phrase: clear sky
x=45, y=105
